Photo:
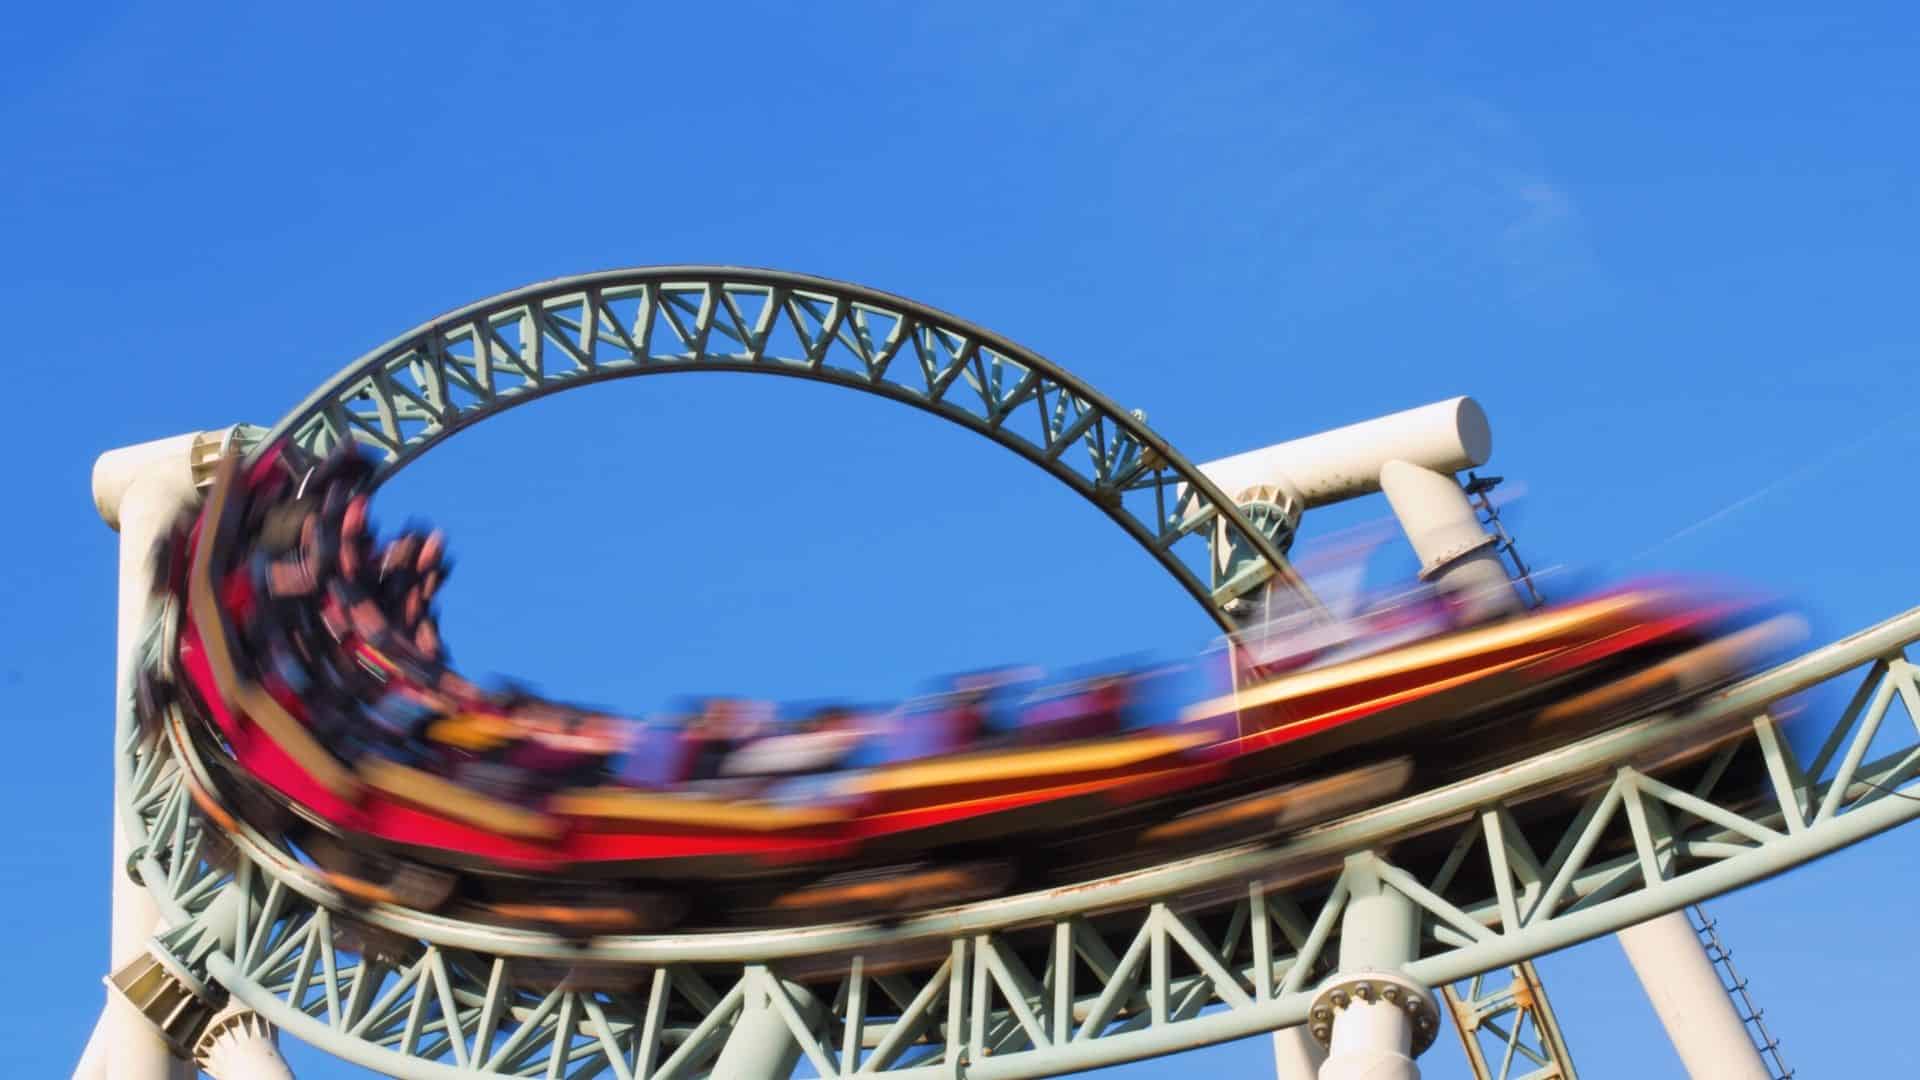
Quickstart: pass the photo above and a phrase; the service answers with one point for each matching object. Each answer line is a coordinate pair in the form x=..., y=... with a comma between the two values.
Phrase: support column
x=137, y=490
x=1686, y=991
x=140, y=491
x=1295, y=1055
x=1374, y=1019
x=93, y=1060
x=1455, y=552
x=761, y=1046
x=239, y=1045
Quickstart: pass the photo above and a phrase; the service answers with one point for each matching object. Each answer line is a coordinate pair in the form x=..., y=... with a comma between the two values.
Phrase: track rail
x=1553, y=850
x=407, y=396
x=1521, y=860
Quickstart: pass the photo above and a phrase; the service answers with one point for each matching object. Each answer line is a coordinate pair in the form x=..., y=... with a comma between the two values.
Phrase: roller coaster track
x=1522, y=860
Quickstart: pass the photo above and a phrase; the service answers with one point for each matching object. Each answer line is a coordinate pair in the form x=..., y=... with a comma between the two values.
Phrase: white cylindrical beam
x=239, y=1045
x=93, y=1060
x=761, y=1047
x=1692, y=1002
x=1295, y=1055
x=1373, y=1036
x=1456, y=553
x=1446, y=436
x=1372, y=1040
x=138, y=490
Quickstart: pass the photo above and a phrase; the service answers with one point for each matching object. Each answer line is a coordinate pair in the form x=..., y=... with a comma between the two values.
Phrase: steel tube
x=1333, y=466
x=1406, y=817
x=1373, y=1039
x=1686, y=991
x=1455, y=552
x=93, y=1060
x=1295, y=1055
x=138, y=490
x=760, y=1046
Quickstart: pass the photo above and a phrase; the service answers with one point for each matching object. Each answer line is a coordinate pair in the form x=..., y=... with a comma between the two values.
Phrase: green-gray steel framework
x=1197, y=951
x=408, y=395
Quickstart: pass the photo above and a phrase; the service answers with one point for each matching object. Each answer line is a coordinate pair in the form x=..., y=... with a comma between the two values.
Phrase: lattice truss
x=1507, y=1026
x=1560, y=848
x=404, y=398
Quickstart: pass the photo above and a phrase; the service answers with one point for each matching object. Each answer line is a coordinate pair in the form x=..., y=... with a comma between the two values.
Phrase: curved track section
x=1531, y=857
x=1559, y=848
x=407, y=396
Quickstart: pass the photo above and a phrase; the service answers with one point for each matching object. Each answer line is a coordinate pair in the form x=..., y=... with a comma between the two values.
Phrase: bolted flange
x=168, y=981
x=1374, y=987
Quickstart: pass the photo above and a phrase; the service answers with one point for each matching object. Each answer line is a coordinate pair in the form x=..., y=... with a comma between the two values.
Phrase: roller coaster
x=1335, y=903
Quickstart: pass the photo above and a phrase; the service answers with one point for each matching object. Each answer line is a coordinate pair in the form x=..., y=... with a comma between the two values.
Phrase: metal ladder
x=1477, y=488
x=1736, y=987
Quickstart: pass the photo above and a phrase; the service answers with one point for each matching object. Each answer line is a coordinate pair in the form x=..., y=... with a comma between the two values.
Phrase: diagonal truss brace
x=412, y=393
x=1200, y=951
x=1508, y=1028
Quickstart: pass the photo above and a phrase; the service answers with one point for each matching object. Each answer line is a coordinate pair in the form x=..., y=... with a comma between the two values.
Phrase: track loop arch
x=409, y=395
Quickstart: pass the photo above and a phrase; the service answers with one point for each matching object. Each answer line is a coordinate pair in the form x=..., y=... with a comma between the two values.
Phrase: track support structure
x=762, y=1046
x=1295, y=1055
x=1510, y=1032
x=1373, y=1018
x=139, y=490
x=1693, y=1005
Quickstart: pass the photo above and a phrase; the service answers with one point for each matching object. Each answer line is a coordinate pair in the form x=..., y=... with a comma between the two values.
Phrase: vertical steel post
x=1456, y=552
x=1376, y=1019
x=1295, y=1055
x=1680, y=980
x=761, y=1046
x=138, y=490
x=1525, y=1035
x=93, y=1060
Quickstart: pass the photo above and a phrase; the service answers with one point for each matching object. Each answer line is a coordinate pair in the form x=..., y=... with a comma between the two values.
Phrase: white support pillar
x=93, y=1060
x=1456, y=553
x=239, y=1045
x=1690, y=999
x=138, y=490
x=1345, y=463
x=1374, y=1019
x=1295, y=1055
x=761, y=1047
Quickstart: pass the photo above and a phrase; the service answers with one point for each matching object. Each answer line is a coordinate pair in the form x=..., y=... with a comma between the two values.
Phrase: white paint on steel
x=760, y=1047
x=1692, y=1002
x=240, y=1045
x=138, y=490
x=1295, y=1055
x=1456, y=553
x=1446, y=436
x=93, y=1060
x=1372, y=1040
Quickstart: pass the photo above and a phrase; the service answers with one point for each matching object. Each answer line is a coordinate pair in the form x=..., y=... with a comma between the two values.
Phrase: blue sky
x=1671, y=254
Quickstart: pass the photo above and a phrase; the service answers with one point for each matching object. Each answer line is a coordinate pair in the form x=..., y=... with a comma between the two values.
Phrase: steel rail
x=1112, y=1013
x=445, y=375
x=1536, y=777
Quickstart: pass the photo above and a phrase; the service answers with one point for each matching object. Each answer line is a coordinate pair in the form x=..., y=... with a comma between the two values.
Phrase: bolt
x=1414, y=1003
x=1322, y=1014
x=1320, y=1033
x=1391, y=993
x=1340, y=999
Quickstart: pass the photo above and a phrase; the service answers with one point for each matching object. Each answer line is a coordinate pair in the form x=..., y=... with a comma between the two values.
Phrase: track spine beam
x=1206, y=950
